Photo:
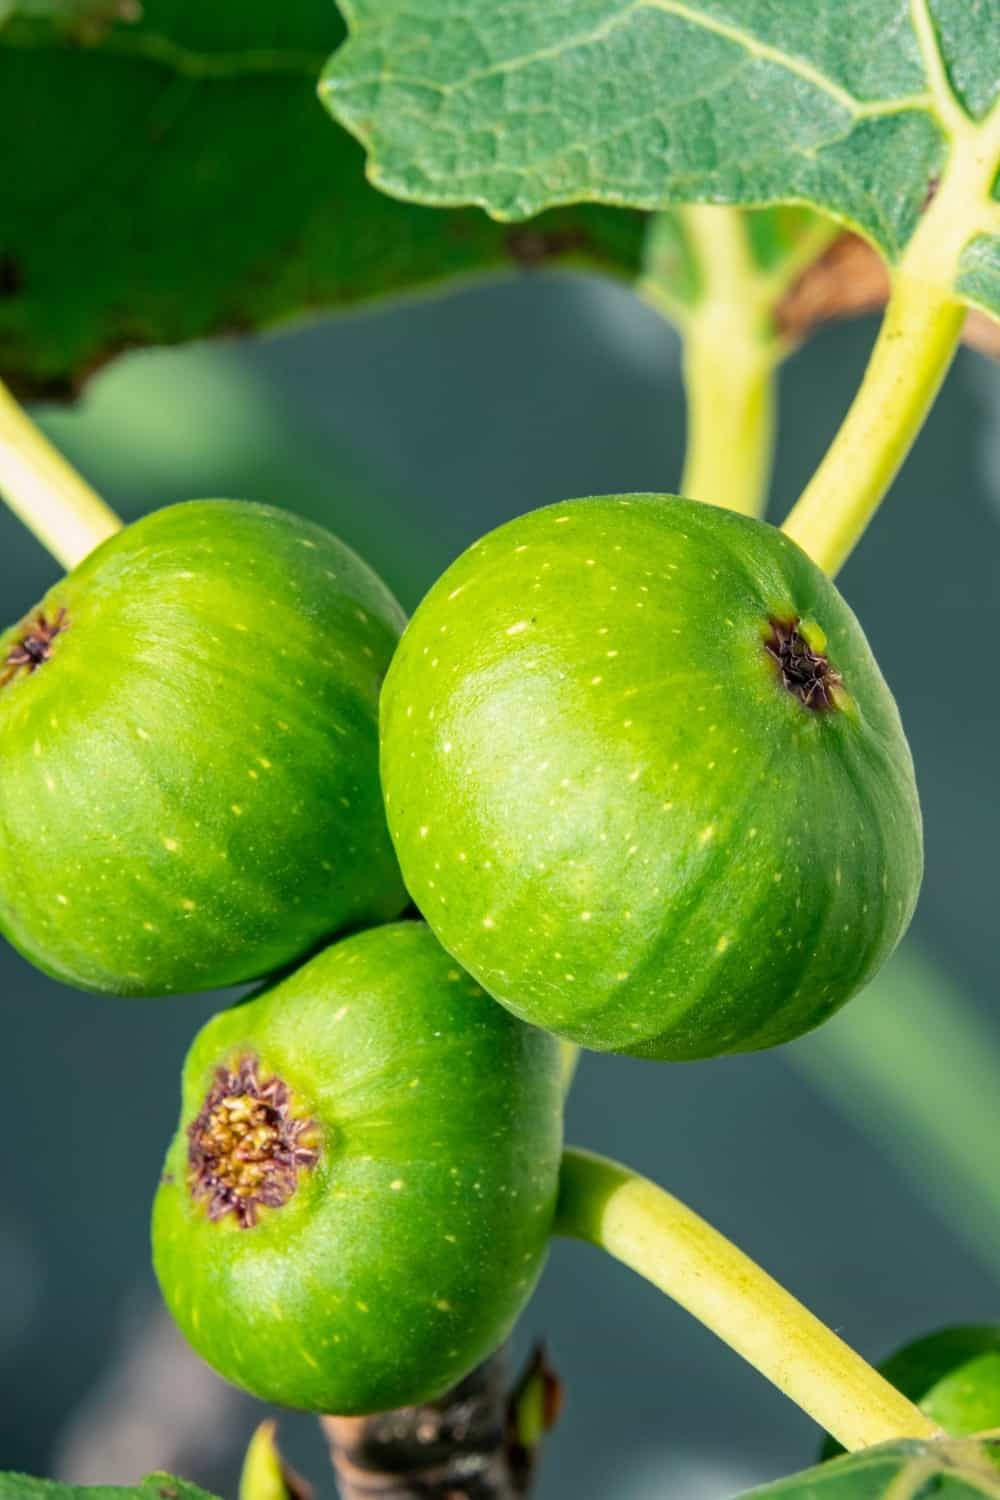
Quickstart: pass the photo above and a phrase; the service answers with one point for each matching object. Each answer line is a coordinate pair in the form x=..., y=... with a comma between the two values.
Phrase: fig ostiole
x=189, y=789
x=358, y=1200
x=646, y=781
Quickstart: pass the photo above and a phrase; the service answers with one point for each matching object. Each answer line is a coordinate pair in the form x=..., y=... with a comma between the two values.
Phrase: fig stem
x=570, y=1054
x=920, y=332
x=729, y=362
x=732, y=343
x=45, y=492
x=730, y=389
x=666, y=1242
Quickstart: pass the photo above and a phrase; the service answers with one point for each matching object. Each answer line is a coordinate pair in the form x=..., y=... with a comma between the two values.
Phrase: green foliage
x=979, y=272
x=687, y=270
x=953, y=1376
x=841, y=104
x=953, y=1470
x=648, y=104
x=176, y=178
x=153, y=1487
x=967, y=33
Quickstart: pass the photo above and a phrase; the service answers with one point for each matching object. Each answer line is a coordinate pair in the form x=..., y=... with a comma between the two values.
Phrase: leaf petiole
x=666, y=1242
x=55, y=502
x=920, y=333
x=701, y=270
x=729, y=358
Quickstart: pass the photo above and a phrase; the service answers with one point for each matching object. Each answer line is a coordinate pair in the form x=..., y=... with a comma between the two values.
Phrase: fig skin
x=407, y=1251
x=612, y=809
x=952, y=1375
x=189, y=789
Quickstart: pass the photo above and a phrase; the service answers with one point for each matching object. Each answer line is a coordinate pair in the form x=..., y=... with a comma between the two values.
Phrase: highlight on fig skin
x=34, y=648
x=806, y=672
x=247, y=1147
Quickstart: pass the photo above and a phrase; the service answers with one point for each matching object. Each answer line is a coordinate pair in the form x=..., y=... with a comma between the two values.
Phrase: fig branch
x=920, y=333
x=45, y=492
x=652, y=1232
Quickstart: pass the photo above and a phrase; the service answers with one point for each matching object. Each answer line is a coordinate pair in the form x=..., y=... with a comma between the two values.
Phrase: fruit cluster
x=642, y=778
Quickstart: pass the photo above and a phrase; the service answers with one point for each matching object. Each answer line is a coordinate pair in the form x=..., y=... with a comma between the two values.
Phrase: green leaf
x=979, y=273
x=967, y=32
x=153, y=1487
x=846, y=105
x=692, y=261
x=175, y=177
x=646, y=102
x=953, y=1375
x=950, y=1469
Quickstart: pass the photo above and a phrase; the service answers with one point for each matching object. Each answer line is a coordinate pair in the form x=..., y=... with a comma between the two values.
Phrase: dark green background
x=410, y=431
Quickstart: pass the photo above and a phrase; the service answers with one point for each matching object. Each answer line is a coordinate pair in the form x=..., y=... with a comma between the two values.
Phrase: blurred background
x=860, y=1165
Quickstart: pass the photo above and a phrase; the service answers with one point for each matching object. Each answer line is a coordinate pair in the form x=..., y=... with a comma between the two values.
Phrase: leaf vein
x=857, y=108
x=943, y=97
x=781, y=59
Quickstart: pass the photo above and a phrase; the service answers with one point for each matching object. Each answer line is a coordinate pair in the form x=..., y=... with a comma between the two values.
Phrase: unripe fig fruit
x=646, y=781
x=189, y=788
x=953, y=1376
x=358, y=1199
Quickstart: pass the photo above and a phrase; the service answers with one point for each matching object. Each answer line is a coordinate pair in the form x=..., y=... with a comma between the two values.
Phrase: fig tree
x=189, y=754
x=646, y=781
x=359, y=1196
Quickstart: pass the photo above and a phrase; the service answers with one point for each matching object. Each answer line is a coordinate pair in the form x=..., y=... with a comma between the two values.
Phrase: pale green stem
x=263, y=1473
x=570, y=1055
x=730, y=411
x=671, y=1246
x=730, y=355
x=920, y=332
x=45, y=492
x=919, y=335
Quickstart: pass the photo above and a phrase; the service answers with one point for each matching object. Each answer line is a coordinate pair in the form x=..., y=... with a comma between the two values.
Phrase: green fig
x=359, y=1197
x=189, y=789
x=646, y=781
x=953, y=1376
